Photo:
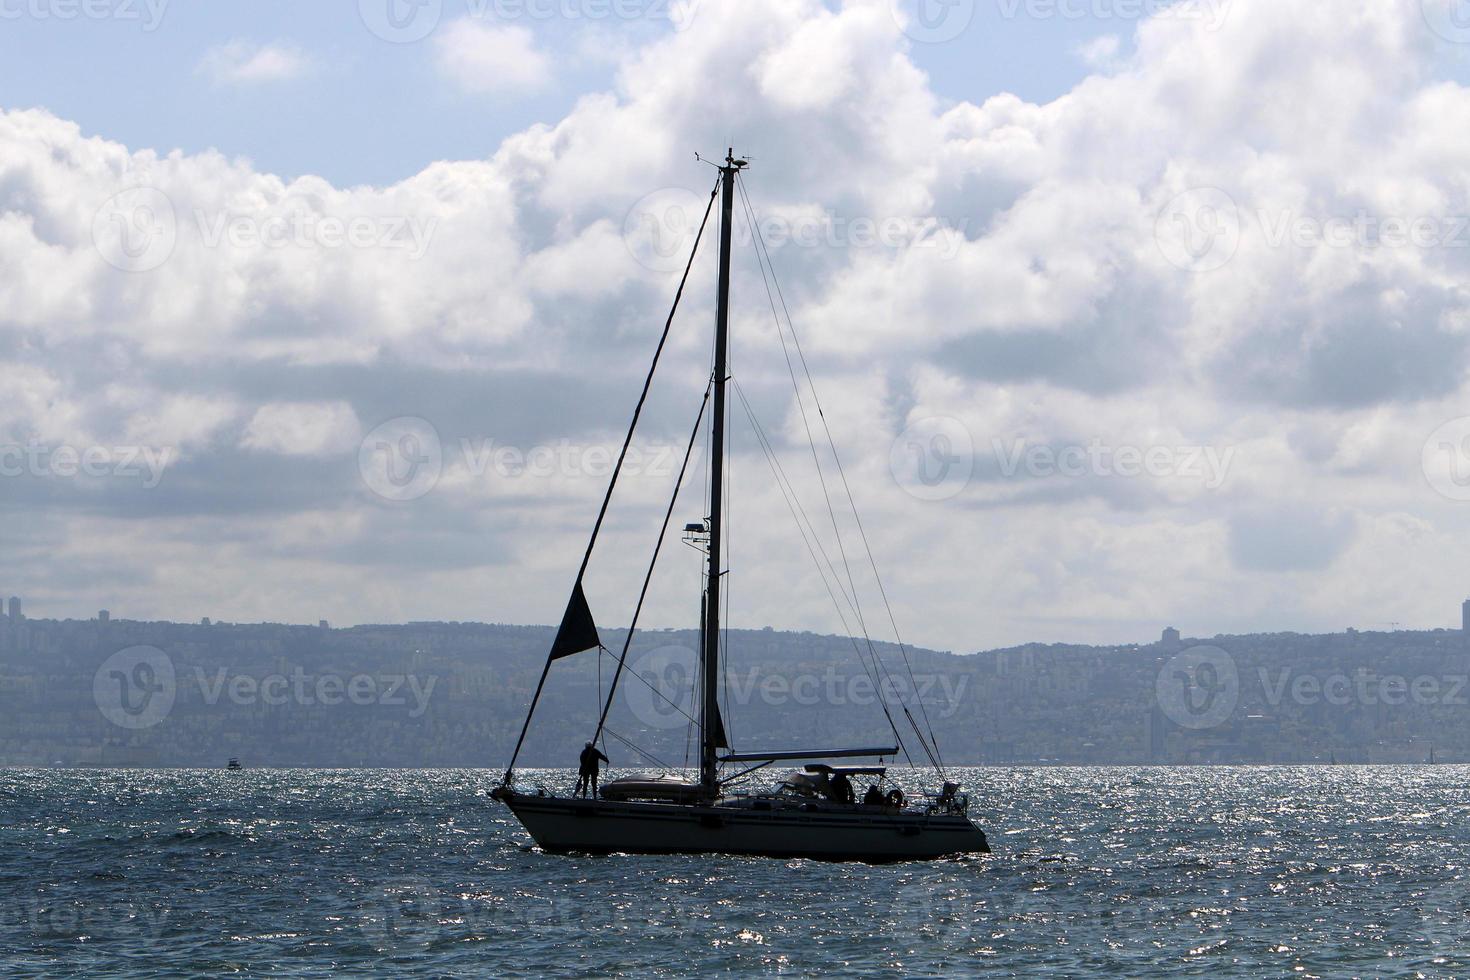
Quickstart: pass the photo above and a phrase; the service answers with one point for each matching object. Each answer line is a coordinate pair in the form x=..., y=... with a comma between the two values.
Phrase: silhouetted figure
x=894, y=798
x=841, y=789
x=873, y=797
x=946, y=797
x=589, y=769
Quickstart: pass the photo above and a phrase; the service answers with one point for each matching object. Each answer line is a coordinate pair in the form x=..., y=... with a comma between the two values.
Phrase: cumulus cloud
x=1195, y=250
x=484, y=58
x=303, y=428
x=242, y=62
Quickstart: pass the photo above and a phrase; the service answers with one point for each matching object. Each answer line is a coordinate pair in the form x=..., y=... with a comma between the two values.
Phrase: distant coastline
x=119, y=693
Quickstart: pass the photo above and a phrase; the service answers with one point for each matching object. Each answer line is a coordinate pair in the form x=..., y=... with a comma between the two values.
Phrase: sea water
x=1319, y=871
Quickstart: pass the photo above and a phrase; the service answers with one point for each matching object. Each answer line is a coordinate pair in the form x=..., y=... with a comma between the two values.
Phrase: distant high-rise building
x=1154, y=731
x=323, y=625
x=15, y=612
x=204, y=621
x=1465, y=616
x=103, y=615
x=1170, y=638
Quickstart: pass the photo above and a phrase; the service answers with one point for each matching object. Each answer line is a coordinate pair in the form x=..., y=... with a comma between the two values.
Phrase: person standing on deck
x=590, y=767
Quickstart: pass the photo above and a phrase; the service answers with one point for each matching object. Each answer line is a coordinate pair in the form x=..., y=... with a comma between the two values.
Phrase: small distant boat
x=811, y=813
x=234, y=764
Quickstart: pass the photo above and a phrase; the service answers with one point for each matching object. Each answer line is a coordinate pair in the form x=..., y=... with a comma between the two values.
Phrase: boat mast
x=710, y=663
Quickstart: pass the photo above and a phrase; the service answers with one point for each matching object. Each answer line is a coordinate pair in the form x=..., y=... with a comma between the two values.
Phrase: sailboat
x=811, y=812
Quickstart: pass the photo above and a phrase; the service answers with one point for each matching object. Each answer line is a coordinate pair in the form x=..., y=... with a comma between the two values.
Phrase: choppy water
x=1315, y=871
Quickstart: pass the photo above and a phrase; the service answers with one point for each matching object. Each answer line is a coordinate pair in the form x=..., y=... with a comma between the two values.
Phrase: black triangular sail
x=578, y=630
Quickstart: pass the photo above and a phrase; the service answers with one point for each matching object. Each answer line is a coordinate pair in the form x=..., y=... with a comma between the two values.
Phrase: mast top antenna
x=731, y=163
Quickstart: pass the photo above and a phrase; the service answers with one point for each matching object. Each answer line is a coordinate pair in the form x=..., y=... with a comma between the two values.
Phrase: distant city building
x=323, y=625
x=1465, y=615
x=103, y=615
x=15, y=612
x=1170, y=638
x=1154, y=732
x=204, y=621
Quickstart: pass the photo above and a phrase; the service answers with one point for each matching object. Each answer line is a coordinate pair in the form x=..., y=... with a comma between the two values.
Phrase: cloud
x=303, y=429
x=482, y=58
x=241, y=62
x=1001, y=264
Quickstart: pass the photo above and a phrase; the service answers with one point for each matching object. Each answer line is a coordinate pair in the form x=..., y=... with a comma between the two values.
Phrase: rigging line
x=648, y=578
x=617, y=469
x=851, y=598
x=806, y=425
x=847, y=489
x=667, y=700
x=784, y=482
x=794, y=505
x=789, y=497
x=881, y=667
x=646, y=754
x=761, y=249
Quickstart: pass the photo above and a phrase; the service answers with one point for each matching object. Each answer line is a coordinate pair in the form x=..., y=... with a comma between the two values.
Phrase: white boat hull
x=831, y=833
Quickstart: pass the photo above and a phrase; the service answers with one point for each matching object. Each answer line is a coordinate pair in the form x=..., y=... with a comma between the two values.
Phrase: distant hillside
x=454, y=694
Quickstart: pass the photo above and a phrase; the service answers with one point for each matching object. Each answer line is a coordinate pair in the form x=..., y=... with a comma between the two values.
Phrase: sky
x=1121, y=313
